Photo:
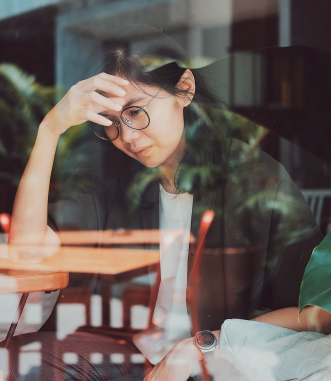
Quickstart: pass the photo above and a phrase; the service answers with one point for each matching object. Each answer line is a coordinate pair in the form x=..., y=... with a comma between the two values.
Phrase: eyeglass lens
x=134, y=117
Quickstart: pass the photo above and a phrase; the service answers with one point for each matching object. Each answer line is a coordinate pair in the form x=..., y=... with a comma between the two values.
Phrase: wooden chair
x=144, y=296
x=77, y=295
x=93, y=345
x=316, y=199
x=25, y=282
x=120, y=339
x=206, y=221
x=134, y=296
x=123, y=337
x=140, y=296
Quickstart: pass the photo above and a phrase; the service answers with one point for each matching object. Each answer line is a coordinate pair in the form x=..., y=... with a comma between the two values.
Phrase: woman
x=162, y=130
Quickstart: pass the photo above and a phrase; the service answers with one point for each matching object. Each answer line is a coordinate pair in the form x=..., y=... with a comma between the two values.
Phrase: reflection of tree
x=23, y=105
x=244, y=129
x=218, y=121
x=252, y=180
x=260, y=187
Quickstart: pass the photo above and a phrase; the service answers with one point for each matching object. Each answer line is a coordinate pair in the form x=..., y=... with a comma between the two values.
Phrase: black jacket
x=258, y=245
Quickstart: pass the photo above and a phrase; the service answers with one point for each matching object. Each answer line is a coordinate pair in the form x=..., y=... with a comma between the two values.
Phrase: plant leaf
x=316, y=282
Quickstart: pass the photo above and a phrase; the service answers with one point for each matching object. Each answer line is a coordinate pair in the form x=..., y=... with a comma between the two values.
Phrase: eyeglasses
x=134, y=117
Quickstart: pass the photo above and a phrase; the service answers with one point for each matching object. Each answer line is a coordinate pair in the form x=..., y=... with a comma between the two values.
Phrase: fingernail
x=118, y=107
x=125, y=81
x=121, y=92
x=109, y=122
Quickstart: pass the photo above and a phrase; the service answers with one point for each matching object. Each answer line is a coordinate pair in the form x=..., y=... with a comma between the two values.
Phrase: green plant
x=23, y=105
x=316, y=282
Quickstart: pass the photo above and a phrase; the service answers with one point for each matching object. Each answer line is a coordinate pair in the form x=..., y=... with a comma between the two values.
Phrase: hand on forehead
x=134, y=95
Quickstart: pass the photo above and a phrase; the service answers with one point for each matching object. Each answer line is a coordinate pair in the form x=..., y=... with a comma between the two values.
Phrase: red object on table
x=5, y=222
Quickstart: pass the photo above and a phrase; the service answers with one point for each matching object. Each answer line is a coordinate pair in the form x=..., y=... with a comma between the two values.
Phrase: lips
x=141, y=151
x=137, y=150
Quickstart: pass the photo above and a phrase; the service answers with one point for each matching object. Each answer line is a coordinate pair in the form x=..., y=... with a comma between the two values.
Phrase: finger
x=97, y=108
x=96, y=118
x=120, y=81
x=151, y=374
x=119, y=101
x=100, y=83
x=98, y=99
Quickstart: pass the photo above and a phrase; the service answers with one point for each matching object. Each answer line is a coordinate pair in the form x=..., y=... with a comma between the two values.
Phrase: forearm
x=180, y=360
x=311, y=319
x=288, y=318
x=29, y=219
x=81, y=103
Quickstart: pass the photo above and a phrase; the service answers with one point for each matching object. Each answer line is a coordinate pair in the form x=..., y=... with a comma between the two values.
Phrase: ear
x=186, y=83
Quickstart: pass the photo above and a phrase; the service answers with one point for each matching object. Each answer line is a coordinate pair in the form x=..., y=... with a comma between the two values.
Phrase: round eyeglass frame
x=120, y=117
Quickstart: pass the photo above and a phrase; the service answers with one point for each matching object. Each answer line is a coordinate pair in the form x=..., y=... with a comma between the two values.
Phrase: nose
x=127, y=134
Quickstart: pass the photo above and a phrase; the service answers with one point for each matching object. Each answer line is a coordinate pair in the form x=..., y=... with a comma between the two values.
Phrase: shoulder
x=244, y=152
x=92, y=173
x=250, y=161
x=98, y=162
x=263, y=185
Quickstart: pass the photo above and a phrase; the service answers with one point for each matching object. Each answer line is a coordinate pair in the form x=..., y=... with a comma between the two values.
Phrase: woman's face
x=162, y=142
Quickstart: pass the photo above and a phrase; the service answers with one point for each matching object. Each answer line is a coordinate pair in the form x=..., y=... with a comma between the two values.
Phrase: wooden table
x=85, y=260
x=110, y=237
x=117, y=237
x=114, y=265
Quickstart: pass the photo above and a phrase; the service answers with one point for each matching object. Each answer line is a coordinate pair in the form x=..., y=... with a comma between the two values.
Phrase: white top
x=170, y=313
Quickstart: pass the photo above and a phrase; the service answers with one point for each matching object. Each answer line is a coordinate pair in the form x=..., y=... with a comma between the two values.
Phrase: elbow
x=326, y=323
x=318, y=319
x=33, y=248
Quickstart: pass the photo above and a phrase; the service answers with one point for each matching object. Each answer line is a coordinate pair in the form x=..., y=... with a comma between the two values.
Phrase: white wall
x=10, y=8
x=285, y=34
x=80, y=32
x=77, y=57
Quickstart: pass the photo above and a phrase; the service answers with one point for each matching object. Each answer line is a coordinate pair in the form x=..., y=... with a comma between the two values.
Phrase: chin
x=152, y=161
x=149, y=163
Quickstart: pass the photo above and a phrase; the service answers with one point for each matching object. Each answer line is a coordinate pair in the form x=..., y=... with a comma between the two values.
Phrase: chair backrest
x=206, y=221
x=315, y=199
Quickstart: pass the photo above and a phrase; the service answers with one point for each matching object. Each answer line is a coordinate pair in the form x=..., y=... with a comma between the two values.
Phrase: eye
x=136, y=111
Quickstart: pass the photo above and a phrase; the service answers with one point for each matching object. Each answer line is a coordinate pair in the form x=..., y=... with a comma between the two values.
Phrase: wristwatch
x=205, y=341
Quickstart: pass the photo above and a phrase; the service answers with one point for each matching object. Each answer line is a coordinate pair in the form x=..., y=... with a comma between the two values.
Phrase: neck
x=168, y=179
x=168, y=169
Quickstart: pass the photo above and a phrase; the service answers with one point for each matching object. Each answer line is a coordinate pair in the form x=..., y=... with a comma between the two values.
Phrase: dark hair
x=130, y=55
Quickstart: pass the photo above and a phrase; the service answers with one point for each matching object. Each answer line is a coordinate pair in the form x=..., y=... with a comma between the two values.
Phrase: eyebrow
x=133, y=100
x=128, y=104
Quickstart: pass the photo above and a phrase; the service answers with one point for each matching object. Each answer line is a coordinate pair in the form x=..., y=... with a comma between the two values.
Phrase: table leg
x=18, y=314
x=105, y=297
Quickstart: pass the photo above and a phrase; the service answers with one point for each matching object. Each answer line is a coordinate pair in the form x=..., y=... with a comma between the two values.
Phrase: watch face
x=205, y=339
